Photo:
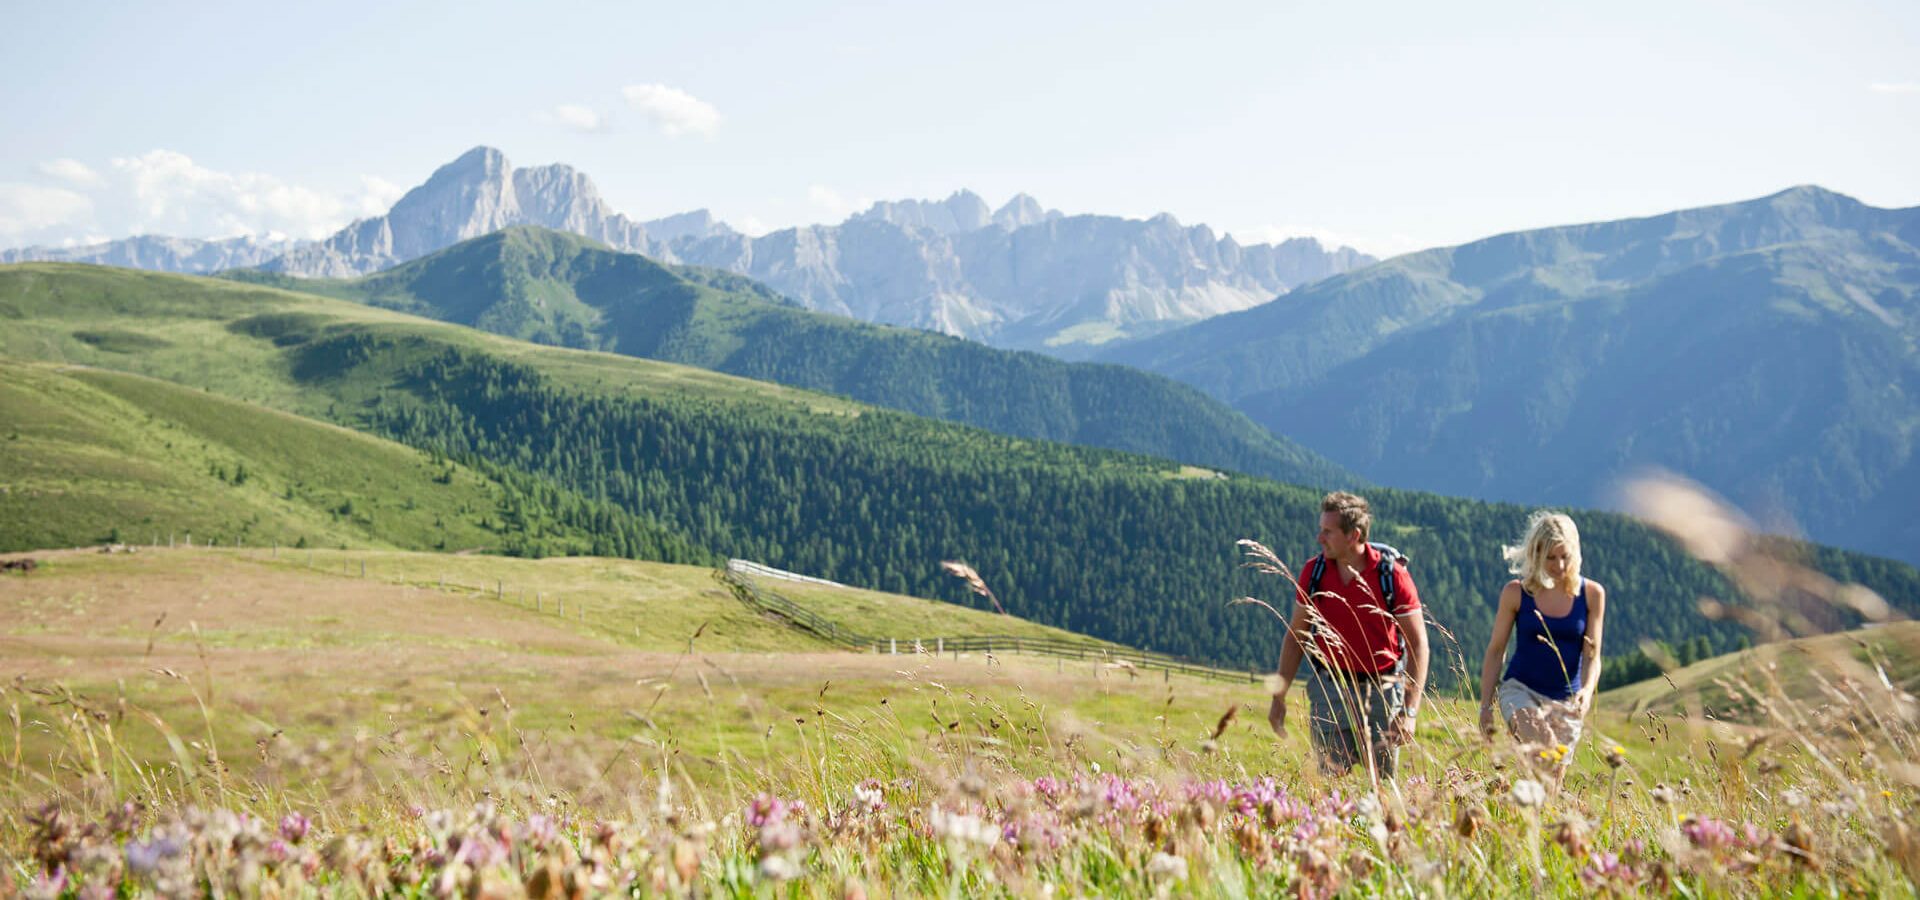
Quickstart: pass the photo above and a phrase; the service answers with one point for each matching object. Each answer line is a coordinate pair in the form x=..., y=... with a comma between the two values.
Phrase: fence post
x=363, y=568
x=940, y=646
x=893, y=647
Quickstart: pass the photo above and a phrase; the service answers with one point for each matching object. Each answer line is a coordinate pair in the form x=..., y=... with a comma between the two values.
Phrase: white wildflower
x=779, y=868
x=962, y=830
x=1528, y=792
x=1167, y=867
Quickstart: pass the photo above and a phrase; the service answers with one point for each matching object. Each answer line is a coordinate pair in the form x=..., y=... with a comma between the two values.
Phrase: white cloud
x=1892, y=87
x=675, y=111
x=377, y=195
x=165, y=192
x=171, y=194
x=72, y=171
x=27, y=210
x=1382, y=246
x=832, y=203
x=578, y=117
x=751, y=226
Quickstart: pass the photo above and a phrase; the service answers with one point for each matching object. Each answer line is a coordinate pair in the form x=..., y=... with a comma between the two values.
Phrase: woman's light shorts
x=1561, y=719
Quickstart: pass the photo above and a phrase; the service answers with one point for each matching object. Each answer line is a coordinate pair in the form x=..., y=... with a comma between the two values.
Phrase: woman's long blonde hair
x=1528, y=559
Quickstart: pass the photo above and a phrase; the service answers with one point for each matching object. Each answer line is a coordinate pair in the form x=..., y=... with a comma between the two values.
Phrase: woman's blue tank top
x=1547, y=656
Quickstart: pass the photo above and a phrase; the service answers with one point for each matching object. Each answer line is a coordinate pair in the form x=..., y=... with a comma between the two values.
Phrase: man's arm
x=1413, y=629
x=1290, y=655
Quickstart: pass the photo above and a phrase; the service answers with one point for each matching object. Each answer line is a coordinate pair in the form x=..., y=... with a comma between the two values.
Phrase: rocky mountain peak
x=961, y=212
x=1022, y=211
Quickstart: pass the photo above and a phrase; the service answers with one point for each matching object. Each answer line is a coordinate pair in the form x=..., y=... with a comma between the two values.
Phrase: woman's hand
x=1487, y=726
x=1582, y=702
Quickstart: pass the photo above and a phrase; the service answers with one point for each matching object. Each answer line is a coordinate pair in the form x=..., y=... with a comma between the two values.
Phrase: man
x=1369, y=658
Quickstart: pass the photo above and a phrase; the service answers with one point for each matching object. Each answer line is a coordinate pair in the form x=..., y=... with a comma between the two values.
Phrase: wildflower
x=961, y=830
x=1793, y=798
x=539, y=831
x=779, y=868
x=1165, y=867
x=1527, y=792
x=1603, y=868
x=144, y=859
x=1571, y=835
x=294, y=827
x=767, y=809
x=1662, y=794
x=1616, y=757
x=1708, y=833
x=868, y=796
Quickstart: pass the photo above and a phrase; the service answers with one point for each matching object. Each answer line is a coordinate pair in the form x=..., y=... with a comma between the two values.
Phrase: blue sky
x=1390, y=126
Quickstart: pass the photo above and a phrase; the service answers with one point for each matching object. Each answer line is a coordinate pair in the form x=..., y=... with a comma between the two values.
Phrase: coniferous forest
x=1104, y=543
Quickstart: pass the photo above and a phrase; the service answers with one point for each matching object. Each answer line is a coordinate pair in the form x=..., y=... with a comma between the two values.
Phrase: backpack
x=1390, y=559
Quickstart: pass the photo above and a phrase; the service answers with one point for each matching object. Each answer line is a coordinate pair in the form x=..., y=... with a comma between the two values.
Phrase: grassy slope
x=176, y=328
x=1714, y=685
x=301, y=642
x=554, y=288
x=86, y=452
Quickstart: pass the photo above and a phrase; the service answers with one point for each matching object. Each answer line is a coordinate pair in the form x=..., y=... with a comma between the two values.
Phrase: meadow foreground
x=214, y=722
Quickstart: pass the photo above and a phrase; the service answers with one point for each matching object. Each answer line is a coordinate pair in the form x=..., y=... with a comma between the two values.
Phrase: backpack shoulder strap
x=1390, y=559
x=1313, y=575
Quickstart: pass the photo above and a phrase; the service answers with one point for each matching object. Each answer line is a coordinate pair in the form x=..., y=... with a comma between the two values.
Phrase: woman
x=1557, y=615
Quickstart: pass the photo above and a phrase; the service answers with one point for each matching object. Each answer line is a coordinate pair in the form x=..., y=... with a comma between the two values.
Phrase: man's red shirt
x=1365, y=637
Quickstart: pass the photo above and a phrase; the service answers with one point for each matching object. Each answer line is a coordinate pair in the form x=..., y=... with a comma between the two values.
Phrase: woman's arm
x=1497, y=647
x=1590, y=652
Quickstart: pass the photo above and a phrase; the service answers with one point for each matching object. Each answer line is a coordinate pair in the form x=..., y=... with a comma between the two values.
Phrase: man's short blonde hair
x=1353, y=510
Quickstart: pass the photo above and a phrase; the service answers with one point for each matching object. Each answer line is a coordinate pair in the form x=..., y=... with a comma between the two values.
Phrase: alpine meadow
x=1054, y=451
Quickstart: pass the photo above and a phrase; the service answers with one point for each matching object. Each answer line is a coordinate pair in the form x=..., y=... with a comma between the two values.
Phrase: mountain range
x=555, y=288
x=1768, y=348
x=1021, y=276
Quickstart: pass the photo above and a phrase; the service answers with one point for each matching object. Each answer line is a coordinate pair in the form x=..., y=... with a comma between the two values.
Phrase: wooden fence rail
x=767, y=601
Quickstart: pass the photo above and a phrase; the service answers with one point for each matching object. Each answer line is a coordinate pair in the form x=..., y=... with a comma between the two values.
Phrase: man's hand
x=1400, y=730
x=1277, y=714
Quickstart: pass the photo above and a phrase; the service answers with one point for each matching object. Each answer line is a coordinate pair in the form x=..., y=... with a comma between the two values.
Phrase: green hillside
x=92, y=456
x=1124, y=548
x=1769, y=349
x=1803, y=671
x=562, y=289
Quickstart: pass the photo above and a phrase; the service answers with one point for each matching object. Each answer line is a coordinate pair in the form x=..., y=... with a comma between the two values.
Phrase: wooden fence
x=767, y=601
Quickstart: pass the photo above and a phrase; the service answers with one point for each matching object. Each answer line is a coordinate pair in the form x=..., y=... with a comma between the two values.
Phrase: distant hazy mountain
x=165, y=254
x=481, y=193
x=1770, y=349
x=1020, y=276
x=542, y=285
